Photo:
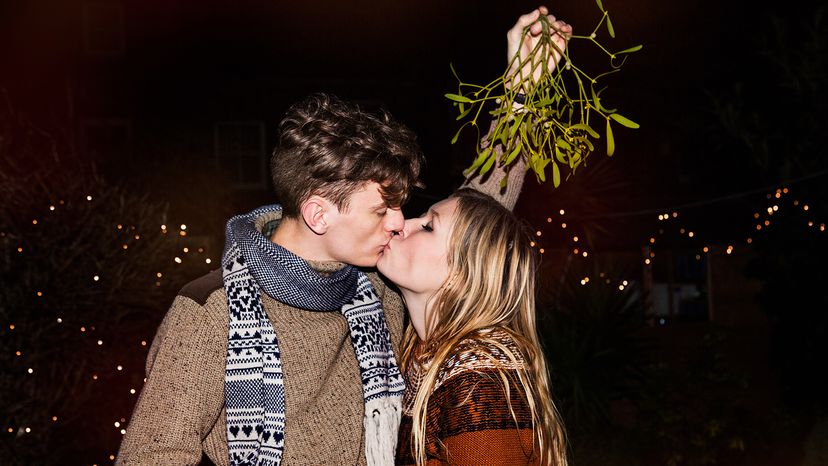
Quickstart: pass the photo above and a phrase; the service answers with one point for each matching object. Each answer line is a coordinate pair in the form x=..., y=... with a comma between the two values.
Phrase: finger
x=562, y=28
x=543, y=10
x=514, y=35
x=527, y=19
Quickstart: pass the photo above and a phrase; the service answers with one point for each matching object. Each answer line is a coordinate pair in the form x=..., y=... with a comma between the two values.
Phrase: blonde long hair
x=491, y=285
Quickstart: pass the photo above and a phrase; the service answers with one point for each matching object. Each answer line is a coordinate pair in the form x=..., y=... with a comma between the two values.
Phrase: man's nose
x=394, y=221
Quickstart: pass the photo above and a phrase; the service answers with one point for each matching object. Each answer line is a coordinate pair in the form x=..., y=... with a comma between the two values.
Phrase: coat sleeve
x=184, y=391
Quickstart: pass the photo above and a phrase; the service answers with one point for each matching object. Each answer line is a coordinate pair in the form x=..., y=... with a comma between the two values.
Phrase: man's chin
x=367, y=262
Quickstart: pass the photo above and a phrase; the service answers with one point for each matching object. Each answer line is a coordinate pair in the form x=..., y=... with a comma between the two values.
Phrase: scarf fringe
x=382, y=423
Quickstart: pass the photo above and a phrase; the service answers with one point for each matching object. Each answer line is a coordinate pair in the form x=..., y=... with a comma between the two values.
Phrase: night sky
x=729, y=95
x=184, y=63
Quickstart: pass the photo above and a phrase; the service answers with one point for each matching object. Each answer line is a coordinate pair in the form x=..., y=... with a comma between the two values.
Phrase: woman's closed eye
x=428, y=227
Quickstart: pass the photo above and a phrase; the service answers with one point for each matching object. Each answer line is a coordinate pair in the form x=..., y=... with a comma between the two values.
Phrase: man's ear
x=317, y=212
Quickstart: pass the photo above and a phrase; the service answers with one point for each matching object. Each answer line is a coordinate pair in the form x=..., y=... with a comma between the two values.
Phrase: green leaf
x=560, y=142
x=624, y=121
x=630, y=50
x=547, y=102
x=459, y=98
x=513, y=154
x=503, y=181
x=610, y=140
x=600, y=5
x=515, y=127
x=556, y=175
x=488, y=165
x=559, y=155
x=479, y=160
x=539, y=165
x=586, y=128
x=463, y=113
x=596, y=99
x=610, y=29
x=457, y=134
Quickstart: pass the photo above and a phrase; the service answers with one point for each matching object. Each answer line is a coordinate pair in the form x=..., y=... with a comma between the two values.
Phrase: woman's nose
x=406, y=229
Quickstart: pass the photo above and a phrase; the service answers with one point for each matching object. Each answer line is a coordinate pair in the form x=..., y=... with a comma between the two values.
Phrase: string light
x=88, y=198
x=96, y=278
x=177, y=260
x=207, y=260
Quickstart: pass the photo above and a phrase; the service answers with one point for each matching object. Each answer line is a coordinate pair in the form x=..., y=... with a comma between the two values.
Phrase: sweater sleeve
x=474, y=423
x=184, y=390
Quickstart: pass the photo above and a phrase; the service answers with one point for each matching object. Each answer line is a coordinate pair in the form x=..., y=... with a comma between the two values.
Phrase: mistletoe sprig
x=556, y=123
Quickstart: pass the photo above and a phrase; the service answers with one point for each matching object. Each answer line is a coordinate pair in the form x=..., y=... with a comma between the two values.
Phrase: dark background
x=165, y=113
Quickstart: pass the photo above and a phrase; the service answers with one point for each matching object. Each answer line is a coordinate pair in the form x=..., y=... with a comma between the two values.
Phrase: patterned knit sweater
x=468, y=420
x=180, y=413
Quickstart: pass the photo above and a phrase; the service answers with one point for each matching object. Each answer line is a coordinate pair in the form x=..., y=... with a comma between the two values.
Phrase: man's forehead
x=369, y=194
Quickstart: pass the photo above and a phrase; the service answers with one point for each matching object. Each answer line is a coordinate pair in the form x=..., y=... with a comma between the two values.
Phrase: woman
x=477, y=386
x=477, y=389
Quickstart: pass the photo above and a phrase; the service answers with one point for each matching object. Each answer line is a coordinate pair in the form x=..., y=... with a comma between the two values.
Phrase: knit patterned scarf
x=254, y=382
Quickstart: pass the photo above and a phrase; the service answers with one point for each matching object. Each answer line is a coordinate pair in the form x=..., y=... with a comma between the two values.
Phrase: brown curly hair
x=331, y=148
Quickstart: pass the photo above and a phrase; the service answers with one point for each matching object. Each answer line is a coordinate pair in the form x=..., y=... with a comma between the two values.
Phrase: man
x=292, y=392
